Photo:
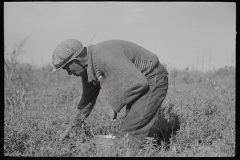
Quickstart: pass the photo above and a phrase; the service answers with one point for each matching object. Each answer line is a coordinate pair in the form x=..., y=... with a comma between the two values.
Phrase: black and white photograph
x=119, y=79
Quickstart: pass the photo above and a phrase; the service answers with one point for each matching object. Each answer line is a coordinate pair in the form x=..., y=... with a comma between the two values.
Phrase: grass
x=39, y=106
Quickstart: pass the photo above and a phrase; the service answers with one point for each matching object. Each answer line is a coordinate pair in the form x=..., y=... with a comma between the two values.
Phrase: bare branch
x=17, y=50
x=19, y=47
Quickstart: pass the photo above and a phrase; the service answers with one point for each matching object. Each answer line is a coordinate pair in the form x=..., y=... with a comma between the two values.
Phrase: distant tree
x=174, y=73
x=186, y=75
x=224, y=71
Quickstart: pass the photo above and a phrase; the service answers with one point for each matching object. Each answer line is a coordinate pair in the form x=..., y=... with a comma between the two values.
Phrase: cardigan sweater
x=119, y=68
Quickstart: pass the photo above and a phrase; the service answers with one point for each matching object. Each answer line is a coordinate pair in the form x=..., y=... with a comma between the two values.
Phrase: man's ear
x=77, y=61
x=80, y=61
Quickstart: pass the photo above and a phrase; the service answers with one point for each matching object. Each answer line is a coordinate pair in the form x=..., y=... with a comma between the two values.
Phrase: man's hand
x=76, y=121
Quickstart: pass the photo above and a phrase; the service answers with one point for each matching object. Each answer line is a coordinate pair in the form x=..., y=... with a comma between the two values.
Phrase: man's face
x=75, y=68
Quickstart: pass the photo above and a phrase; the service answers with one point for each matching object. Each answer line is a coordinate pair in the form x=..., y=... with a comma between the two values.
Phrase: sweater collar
x=90, y=69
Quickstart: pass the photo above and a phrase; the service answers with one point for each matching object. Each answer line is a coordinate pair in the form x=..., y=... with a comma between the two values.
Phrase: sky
x=194, y=34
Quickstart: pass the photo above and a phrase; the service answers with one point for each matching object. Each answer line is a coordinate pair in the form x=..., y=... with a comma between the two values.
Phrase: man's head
x=71, y=56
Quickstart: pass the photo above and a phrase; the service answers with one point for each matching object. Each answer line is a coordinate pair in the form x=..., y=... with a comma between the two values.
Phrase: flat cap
x=65, y=52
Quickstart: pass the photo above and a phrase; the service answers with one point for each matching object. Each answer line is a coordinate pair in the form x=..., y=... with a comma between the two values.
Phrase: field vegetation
x=38, y=106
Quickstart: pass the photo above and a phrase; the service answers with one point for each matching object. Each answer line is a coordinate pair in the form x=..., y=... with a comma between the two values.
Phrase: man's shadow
x=164, y=128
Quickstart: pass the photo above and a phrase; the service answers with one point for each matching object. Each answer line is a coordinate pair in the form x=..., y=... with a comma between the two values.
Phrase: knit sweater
x=119, y=68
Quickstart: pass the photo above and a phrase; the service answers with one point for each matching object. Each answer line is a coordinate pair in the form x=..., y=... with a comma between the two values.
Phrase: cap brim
x=55, y=70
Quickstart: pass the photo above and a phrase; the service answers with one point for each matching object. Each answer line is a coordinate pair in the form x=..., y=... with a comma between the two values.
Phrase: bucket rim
x=104, y=136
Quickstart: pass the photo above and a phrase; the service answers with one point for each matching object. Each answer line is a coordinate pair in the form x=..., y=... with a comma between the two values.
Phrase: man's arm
x=89, y=96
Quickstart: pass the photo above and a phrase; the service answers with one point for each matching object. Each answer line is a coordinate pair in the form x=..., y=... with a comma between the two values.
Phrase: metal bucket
x=105, y=143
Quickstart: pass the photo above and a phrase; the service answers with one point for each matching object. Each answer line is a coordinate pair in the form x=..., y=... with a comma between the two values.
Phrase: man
x=129, y=74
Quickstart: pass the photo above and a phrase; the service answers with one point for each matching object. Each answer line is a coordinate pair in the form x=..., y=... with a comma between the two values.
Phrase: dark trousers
x=142, y=113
